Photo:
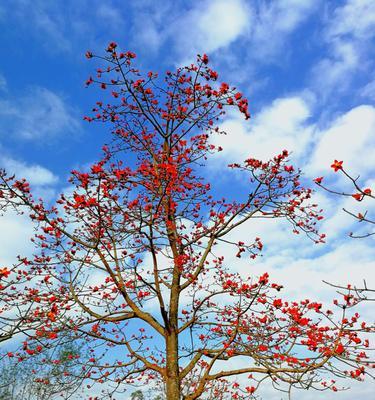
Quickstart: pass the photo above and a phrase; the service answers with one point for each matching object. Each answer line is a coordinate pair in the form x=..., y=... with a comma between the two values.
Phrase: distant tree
x=137, y=395
x=51, y=374
x=129, y=259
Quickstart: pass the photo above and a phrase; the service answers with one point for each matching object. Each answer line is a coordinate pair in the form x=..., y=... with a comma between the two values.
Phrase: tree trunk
x=173, y=378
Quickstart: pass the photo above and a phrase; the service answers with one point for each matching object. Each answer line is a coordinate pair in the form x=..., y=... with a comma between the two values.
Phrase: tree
x=50, y=374
x=129, y=260
x=137, y=395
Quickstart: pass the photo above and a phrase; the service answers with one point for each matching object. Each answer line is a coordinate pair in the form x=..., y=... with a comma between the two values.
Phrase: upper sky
x=305, y=65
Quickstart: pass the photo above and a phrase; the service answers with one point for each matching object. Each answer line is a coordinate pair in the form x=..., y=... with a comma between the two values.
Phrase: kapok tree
x=129, y=260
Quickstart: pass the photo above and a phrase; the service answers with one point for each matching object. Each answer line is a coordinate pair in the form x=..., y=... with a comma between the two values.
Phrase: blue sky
x=305, y=65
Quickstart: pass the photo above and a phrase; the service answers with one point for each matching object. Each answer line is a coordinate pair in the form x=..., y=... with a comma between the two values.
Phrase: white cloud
x=348, y=34
x=332, y=73
x=214, y=25
x=273, y=23
x=261, y=30
x=281, y=125
x=35, y=174
x=302, y=277
x=15, y=233
x=39, y=114
x=356, y=17
x=209, y=26
x=285, y=124
x=221, y=23
x=350, y=137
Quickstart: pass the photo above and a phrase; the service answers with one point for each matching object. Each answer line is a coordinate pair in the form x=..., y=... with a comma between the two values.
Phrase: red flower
x=214, y=75
x=111, y=47
x=340, y=349
x=88, y=54
x=367, y=192
x=205, y=59
x=277, y=303
x=89, y=81
x=263, y=320
x=52, y=335
x=4, y=272
x=130, y=54
x=337, y=165
x=288, y=168
x=96, y=169
x=238, y=95
x=318, y=180
x=51, y=316
x=250, y=389
x=357, y=196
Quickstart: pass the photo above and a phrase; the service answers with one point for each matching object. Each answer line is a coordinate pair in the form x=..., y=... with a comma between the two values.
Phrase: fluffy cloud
x=273, y=22
x=264, y=27
x=349, y=137
x=15, y=233
x=216, y=25
x=287, y=123
x=16, y=230
x=349, y=42
x=335, y=72
x=39, y=114
x=356, y=17
x=35, y=174
x=281, y=125
x=220, y=23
